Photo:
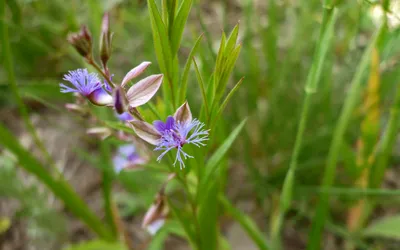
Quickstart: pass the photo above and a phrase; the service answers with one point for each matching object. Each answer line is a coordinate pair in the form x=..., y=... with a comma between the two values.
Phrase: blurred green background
x=278, y=42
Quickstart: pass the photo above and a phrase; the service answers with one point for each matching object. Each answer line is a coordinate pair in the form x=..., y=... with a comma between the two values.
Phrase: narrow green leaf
x=202, y=88
x=342, y=124
x=215, y=159
x=179, y=25
x=231, y=41
x=246, y=222
x=225, y=102
x=208, y=217
x=388, y=227
x=160, y=37
x=185, y=75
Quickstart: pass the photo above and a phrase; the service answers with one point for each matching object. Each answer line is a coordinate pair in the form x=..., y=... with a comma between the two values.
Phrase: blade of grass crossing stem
x=186, y=70
x=202, y=88
x=179, y=25
x=213, y=162
x=8, y=65
x=225, y=102
x=344, y=119
x=324, y=42
x=60, y=188
x=246, y=222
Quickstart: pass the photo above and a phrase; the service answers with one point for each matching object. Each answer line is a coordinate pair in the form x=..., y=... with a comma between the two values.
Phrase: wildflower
x=88, y=85
x=127, y=158
x=177, y=131
x=139, y=93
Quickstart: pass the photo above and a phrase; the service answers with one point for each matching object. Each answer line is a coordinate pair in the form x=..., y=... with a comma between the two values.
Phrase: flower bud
x=120, y=101
x=105, y=39
x=155, y=216
x=82, y=42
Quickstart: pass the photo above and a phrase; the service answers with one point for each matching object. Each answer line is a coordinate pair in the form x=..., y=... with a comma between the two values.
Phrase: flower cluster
x=177, y=131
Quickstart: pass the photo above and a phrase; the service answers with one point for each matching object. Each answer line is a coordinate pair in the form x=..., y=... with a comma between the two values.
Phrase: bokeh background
x=278, y=40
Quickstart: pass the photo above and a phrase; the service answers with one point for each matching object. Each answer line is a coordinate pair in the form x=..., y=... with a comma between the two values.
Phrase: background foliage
x=310, y=131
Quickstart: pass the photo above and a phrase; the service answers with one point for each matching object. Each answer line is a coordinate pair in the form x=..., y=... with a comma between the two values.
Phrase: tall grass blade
x=326, y=33
x=344, y=119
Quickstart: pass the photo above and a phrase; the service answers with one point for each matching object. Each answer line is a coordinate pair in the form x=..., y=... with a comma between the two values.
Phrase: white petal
x=134, y=72
x=144, y=90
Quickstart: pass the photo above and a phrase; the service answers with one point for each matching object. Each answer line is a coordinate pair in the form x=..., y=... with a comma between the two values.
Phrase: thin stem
x=326, y=32
x=344, y=120
x=98, y=68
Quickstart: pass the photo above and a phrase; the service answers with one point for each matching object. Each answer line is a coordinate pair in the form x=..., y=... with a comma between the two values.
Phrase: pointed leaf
x=179, y=25
x=215, y=159
x=185, y=74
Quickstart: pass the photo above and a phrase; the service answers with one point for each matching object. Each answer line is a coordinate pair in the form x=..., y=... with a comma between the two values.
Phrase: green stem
x=8, y=65
x=344, y=120
x=98, y=68
x=326, y=32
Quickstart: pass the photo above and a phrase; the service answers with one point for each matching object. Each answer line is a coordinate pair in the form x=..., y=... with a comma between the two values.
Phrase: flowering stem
x=97, y=67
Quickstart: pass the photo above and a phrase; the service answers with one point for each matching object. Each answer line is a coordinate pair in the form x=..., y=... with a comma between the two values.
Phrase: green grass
x=280, y=85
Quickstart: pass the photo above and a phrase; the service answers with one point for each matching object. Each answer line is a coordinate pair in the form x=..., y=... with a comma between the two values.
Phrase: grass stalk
x=343, y=122
x=326, y=32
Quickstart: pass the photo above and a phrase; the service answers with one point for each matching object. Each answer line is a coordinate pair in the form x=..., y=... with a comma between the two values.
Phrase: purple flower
x=126, y=157
x=88, y=85
x=176, y=132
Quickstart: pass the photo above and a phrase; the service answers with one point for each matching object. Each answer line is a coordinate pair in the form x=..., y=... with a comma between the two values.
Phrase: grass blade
x=246, y=222
x=202, y=88
x=185, y=75
x=59, y=187
x=344, y=119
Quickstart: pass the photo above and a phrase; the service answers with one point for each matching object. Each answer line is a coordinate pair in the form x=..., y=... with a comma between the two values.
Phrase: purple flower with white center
x=127, y=158
x=88, y=85
x=176, y=132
